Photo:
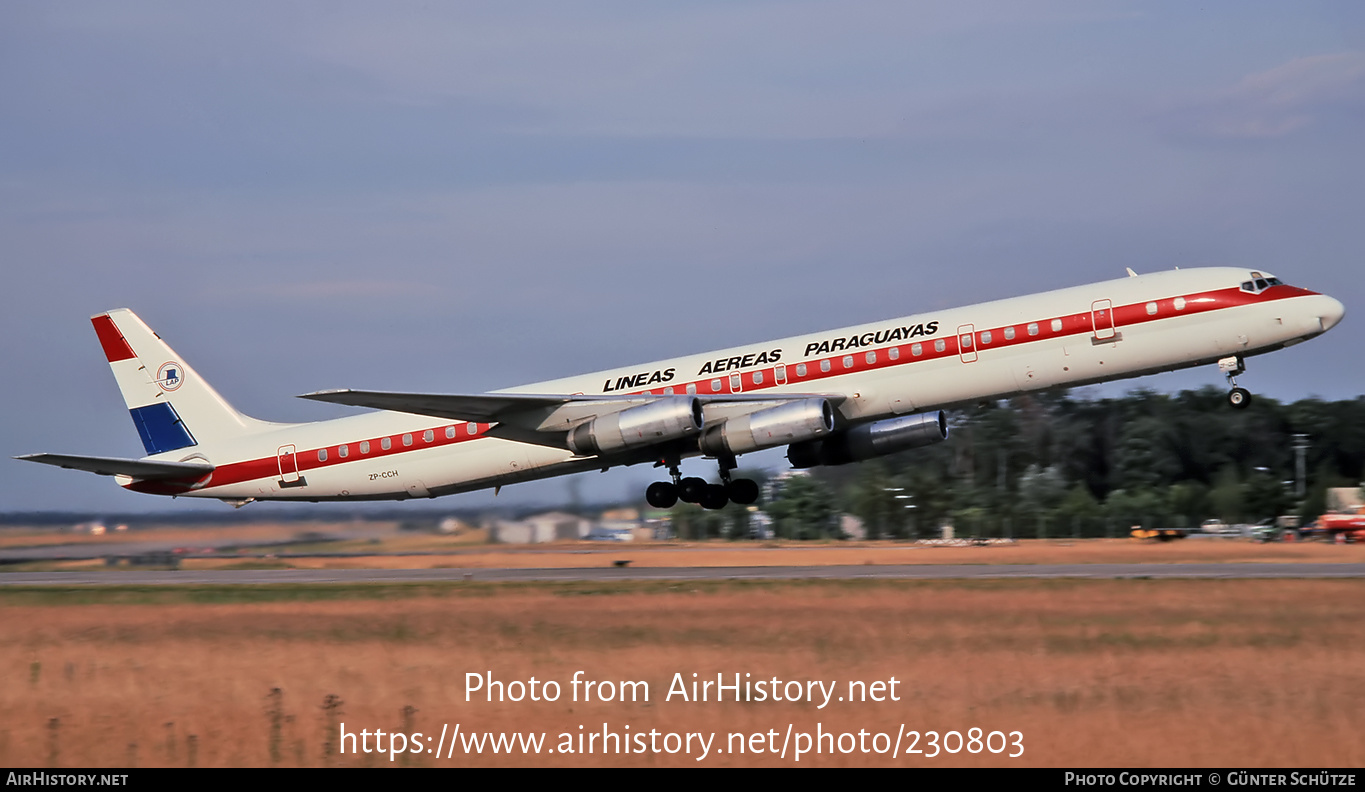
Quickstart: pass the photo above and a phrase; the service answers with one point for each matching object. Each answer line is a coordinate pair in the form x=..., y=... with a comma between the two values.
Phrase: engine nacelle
x=806, y=420
x=658, y=421
x=871, y=440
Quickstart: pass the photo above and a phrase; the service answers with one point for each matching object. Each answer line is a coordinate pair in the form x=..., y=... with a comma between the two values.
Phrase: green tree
x=1128, y=508
x=1080, y=510
x=1188, y=503
x=1263, y=496
x=1227, y=495
x=803, y=508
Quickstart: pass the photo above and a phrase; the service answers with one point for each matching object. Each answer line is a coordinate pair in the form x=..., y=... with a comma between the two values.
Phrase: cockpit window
x=1259, y=284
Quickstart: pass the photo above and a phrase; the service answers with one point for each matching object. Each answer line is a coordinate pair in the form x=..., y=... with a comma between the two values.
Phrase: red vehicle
x=1350, y=525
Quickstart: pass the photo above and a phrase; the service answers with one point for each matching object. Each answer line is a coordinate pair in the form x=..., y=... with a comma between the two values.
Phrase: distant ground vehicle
x=1159, y=534
x=1216, y=526
x=1266, y=531
x=1349, y=525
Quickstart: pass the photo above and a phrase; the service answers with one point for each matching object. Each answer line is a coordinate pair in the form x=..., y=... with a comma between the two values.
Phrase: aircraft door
x=966, y=343
x=736, y=383
x=1102, y=319
x=780, y=374
x=289, y=467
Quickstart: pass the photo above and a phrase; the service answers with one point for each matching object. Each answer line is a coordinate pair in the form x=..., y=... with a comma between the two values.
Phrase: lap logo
x=170, y=376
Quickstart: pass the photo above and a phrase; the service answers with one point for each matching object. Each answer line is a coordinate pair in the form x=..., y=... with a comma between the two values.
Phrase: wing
x=483, y=408
x=544, y=419
x=114, y=466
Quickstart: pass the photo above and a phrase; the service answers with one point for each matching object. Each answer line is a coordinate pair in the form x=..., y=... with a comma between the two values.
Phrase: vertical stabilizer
x=172, y=407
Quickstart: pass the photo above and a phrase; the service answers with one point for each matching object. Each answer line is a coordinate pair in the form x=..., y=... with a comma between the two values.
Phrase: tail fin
x=172, y=407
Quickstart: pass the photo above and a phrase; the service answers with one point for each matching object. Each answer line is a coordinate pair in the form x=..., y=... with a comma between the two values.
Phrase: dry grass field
x=246, y=533
x=1093, y=673
x=384, y=547
x=722, y=554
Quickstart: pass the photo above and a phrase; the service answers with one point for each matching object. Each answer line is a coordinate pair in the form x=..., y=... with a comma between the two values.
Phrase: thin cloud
x=1281, y=101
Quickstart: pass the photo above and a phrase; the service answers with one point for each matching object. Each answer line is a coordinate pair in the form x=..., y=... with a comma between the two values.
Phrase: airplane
x=832, y=398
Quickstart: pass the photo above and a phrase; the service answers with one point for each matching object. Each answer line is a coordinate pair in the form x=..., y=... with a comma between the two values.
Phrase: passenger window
x=871, y=357
x=986, y=337
x=473, y=428
x=364, y=446
x=343, y=451
x=824, y=365
x=848, y=361
x=691, y=388
x=386, y=443
x=450, y=433
x=322, y=455
x=715, y=386
x=940, y=345
x=1033, y=328
x=800, y=369
x=1009, y=333
x=1151, y=309
x=1056, y=325
x=916, y=349
x=407, y=439
x=428, y=436
x=965, y=341
x=894, y=353
x=758, y=378
x=1180, y=303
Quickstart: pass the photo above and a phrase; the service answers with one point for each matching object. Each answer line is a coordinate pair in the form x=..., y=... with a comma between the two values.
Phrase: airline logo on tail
x=169, y=376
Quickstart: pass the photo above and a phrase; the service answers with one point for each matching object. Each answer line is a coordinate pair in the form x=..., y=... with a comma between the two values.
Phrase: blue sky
x=461, y=197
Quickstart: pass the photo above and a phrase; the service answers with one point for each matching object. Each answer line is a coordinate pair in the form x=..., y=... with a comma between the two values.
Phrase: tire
x=743, y=491
x=714, y=497
x=1239, y=398
x=691, y=490
x=661, y=495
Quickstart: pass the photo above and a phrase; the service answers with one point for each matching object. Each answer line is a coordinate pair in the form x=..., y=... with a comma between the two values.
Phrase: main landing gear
x=663, y=494
x=1239, y=398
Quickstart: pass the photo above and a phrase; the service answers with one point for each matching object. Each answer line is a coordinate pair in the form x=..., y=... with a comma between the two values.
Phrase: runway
x=134, y=577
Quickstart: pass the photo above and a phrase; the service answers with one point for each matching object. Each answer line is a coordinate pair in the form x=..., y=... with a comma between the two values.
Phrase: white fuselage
x=1103, y=331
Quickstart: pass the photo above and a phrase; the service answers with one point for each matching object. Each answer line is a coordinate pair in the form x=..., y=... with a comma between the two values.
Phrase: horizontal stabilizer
x=114, y=466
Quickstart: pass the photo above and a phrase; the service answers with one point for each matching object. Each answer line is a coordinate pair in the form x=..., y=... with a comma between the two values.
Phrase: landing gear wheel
x=692, y=489
x=1239, y=398
x=661, y=495
x=742, y=491
x=714, y=497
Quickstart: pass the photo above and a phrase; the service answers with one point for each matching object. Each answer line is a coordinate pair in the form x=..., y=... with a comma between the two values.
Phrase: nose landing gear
x=1239, y=398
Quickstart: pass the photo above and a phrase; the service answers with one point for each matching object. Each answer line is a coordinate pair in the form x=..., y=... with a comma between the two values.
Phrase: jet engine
x=806, y=420
x=655, y=422
x=871, y=440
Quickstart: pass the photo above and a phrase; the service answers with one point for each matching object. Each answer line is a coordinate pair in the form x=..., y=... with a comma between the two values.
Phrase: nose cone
x=1330, y=311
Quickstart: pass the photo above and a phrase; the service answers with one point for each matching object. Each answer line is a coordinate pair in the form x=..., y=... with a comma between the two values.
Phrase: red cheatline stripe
x=1079, y=323
x=307, y=459
x=1072, y=324
x=115, y=347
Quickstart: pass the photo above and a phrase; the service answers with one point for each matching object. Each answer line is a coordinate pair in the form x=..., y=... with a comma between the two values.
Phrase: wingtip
x=323, y=394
